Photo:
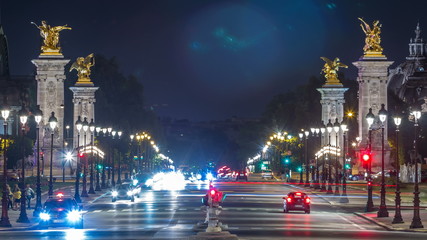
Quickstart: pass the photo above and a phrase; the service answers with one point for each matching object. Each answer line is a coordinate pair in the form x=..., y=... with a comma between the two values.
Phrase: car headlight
x=44, y=216
x=130, y=193
x=115, y=193
x=74, y=216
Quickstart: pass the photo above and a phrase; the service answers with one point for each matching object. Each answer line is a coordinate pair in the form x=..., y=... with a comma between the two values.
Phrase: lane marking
x=112, y=210
x=352, y=223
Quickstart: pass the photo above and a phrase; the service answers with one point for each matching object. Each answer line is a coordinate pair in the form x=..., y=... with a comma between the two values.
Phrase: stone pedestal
x=332, y=100
x=84, y=106
x=50, y=96
x=373, y=80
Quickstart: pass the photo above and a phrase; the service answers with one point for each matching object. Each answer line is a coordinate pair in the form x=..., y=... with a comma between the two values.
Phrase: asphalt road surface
x=251, y=210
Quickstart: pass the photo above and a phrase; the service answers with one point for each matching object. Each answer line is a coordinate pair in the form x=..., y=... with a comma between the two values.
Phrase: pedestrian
x=16, y=197
x=9, y=197
x=29, y=194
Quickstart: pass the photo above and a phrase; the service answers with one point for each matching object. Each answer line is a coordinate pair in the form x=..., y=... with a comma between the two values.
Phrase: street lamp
x=113, y=133
x=322, y=135
x=4, y=214
x=307, y=165
x=109, y=129
x=301, y=136
x=38, y=118
x=416, y=220
x=98, y=185
x=316, y=180
x=79, y=125
x=119, y=171
x=23, y=218
x=344, y=198
x=337, y=179
x=370, y=117
x=382, y=212
x=92, y=131
x=329, y=128
x=52, y=123
x=397, y=214
x=85, y=126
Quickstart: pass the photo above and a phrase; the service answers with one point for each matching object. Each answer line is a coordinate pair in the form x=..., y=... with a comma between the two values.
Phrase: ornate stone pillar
x=50, y=96
x=372, y=79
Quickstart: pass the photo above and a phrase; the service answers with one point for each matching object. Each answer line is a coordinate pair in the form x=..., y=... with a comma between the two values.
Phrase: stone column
x=50, y=96
x=372, y=79
x=84, y=100
x=332, y=100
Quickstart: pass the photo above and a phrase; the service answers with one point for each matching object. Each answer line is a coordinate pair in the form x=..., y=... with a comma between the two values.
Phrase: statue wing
x=339, y=64
x=74, y=66
x=88, y=60
x=327, y=60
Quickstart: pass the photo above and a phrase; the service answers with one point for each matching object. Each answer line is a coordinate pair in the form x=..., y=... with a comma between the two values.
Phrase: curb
x=387, y=227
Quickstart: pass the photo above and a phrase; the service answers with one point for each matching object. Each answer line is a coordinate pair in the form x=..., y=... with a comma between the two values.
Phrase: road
x=251, y=210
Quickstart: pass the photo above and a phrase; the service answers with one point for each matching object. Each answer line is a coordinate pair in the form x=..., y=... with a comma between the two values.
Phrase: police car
x=61, y=211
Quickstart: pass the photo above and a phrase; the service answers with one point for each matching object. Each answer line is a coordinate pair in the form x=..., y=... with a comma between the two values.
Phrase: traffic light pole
x=369, y=203
x=344, y=198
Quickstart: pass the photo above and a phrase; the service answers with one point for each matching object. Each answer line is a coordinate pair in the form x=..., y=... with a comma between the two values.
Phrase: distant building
x=15, y=90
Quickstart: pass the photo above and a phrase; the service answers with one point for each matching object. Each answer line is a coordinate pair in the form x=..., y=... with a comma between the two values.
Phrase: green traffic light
x=299, y=169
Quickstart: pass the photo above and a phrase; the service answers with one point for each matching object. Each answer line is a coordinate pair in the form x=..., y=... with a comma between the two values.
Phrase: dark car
x=124, y=191
x=61, y=211
x=296, y=201
x=242, y=175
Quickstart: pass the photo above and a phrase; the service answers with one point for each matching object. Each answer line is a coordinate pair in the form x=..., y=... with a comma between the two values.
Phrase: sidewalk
x=14, y=215
x=407, y=215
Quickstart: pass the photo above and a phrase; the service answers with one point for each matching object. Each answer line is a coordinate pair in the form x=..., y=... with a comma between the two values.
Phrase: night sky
x=211, y=60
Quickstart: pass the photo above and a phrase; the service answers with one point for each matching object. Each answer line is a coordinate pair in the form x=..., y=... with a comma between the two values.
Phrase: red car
x=296, y=201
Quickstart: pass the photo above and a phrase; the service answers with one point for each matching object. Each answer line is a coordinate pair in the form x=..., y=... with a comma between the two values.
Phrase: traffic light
x=99, y=166
x=347, y=166
x=366, y=159
x=286, y=160
x=299, y=169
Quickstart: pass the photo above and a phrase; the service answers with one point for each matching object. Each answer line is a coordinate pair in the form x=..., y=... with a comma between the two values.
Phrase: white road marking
x=112, y=210
x=352, y=223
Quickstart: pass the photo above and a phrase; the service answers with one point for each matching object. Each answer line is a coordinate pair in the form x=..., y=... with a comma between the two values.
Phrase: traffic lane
x=254, y=234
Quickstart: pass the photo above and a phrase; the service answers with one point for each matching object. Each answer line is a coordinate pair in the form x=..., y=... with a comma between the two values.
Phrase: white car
x=267, y=174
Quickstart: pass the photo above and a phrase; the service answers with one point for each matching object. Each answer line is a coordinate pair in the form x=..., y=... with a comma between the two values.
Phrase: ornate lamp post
x=416, y=220
x=370, y=117
x=103, y=177
x=301, y=136
x=113, y=132
x=52, y=123
x=23, y=218
x=307, y=164
x=344, y=198
x=329, y=128
x=337, y=179
x=84, y=180
x=109, y=129
x=4, y=214
x=79, y=125
x=382, y=212
x=397, y=214
x=38, y=118
x=98, y=185
x=131, y=154
x=322, y=135
x=316, y=178
x=119, y=170
x=92, y=130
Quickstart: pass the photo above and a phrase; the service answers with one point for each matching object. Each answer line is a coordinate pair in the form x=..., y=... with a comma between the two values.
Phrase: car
x=61, y=211
x=124, y=191
x=242, y=175
x=267, y=174
x=296, y=201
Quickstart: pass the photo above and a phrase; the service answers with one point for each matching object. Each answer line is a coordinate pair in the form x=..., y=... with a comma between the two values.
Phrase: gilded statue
x=83, y=65
x=50, y=37
x=373, y=39
x=330, y=69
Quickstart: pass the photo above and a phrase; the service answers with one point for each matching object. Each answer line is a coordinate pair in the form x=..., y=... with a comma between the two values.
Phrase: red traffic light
x=81, y=155
x=213, y=192
x=366, y=157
